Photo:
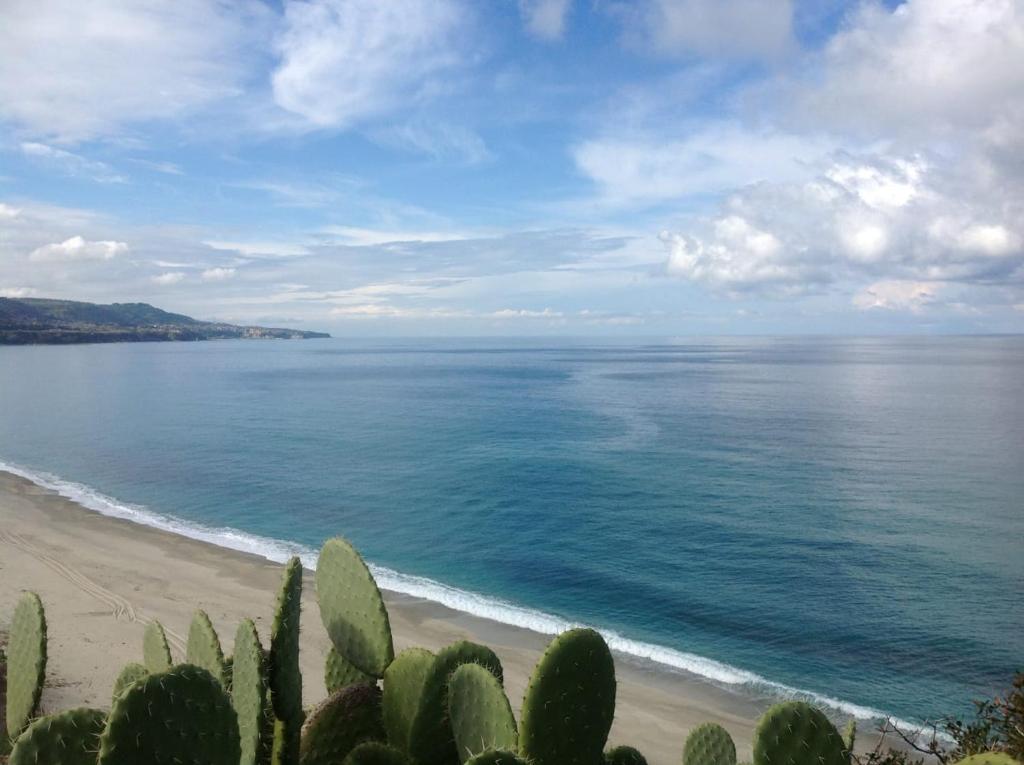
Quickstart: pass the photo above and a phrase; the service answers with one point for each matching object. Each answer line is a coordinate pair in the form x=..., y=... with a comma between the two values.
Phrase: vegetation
x=416, y=708
x=30, y=320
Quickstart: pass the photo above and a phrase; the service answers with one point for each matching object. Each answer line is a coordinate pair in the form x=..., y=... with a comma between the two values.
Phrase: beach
x=102, y=579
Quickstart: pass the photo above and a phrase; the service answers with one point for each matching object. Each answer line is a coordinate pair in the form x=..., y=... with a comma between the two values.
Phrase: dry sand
x=102, y=579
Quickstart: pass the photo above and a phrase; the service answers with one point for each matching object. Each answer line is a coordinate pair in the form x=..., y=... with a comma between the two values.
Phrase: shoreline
x=102, y=578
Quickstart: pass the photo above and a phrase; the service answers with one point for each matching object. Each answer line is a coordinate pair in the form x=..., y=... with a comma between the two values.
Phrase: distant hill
x=26, y=321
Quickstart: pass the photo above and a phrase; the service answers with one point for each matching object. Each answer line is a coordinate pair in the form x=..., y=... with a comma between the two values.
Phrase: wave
x=475, y=604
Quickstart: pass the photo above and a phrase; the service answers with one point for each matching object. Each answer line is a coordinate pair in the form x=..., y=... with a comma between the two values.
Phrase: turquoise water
x=840, y=517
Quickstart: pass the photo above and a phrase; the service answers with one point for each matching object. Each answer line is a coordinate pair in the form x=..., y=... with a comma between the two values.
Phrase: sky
x=520, y=167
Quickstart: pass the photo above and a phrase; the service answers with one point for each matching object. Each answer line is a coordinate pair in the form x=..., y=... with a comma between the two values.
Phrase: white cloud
x=909, y=224
x=545, y=18
x=72, y=164
x=77, y=70
x=747, y=29
x=168, y=278
x=897, y=296
x=17, y=292
x=923, y=68
x=78, y=248
x=719, y=157
x=343, y=61
x=8, y=212
x=219, y=274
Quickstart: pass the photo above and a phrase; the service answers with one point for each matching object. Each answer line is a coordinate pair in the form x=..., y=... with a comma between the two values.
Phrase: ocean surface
x=841, y=518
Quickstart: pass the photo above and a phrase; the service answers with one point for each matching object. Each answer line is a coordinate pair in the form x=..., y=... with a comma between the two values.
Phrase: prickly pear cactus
x=249, y=695
x=709, y=744
x=497, y=757
x=341, y=722
x=156, y=654
x=68, y=738
x=403, y=686
x=987, y=758
x=130, y=674
x=795, y=733
x=376, y=753
x=182, y=715
x=352, y=609
x=283, y=672
x=850, y=736
x=570, y=702
x=203, y=649
x=430, y=737
x=339, y=672
x=481, y=717
x=624, y=755
x=26, y=662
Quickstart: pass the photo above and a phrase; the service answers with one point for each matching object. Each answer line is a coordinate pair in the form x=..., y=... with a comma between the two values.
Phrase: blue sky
x=520, y=166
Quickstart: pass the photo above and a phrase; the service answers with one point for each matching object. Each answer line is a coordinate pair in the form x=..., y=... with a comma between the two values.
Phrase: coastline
x=102, y=578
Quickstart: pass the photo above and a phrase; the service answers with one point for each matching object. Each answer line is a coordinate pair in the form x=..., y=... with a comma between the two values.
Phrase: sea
x=835, y=519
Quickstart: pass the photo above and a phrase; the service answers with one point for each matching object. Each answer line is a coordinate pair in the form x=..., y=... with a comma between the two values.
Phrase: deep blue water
x=842, y=516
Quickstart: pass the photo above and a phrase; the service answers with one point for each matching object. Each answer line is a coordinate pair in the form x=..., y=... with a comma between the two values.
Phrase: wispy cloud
x=71, y=164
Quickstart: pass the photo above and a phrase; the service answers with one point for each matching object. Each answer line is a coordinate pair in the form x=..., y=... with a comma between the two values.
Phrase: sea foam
x=464, y=601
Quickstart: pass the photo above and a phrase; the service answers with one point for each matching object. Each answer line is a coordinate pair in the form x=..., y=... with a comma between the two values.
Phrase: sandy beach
x=102, y=579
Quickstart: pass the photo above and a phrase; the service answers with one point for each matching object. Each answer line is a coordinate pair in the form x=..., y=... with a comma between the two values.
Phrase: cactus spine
x=284, y=675
x=497, y=757
x=481, y=717
x=709, y=744
x=68, y=738
x=26, y=663
x=570, y=702
x=352, y=609
x=180, y=715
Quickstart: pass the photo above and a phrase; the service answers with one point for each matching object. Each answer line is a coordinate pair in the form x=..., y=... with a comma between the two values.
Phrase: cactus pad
x=203, y=649
x=130, y=674
x=983, y=758
x=570, y=701
x=26, y=662
x=709, y=744
x=249, y=694
x=795, y=733
x=283, y=671
x=430, y=737
x=345, y=720
x=403, y=686
x=68, y=738
x=156, y=654
x=352, y=609
x=481, y=717
x=497, y=757
x=850, y=735
x=624, y=755
x=375, y=753
x=339, y=672
x=181, y=715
